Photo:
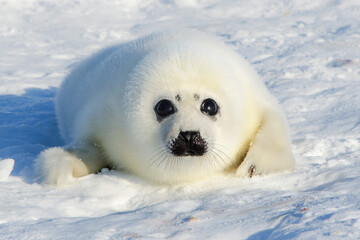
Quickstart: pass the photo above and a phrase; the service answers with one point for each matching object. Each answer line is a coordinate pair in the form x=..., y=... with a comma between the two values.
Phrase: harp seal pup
x=170, y=108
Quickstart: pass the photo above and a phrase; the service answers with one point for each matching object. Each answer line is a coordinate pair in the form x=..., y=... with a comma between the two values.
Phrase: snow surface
x=308, y=53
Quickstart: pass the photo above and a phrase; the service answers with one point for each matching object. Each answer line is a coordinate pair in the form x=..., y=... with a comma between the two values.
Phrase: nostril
x=189, y=136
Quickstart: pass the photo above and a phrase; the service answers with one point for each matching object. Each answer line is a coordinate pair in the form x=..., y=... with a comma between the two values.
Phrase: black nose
x=189, y=136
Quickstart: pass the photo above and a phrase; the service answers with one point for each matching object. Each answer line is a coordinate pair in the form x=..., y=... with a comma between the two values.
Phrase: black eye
x=164, y=108
x=209, y=107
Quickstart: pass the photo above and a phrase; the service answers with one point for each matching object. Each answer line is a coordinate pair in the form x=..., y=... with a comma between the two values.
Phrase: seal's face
x=184, y=118
x=188, y=130
x=188, y=142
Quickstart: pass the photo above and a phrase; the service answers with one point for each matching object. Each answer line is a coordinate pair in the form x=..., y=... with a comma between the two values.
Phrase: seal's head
x=183, y=112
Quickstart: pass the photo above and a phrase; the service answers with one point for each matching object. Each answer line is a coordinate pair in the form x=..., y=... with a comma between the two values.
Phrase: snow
x=307, y=52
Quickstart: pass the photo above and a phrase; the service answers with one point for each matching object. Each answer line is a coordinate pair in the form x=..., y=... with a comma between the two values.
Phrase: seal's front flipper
x=270, y=150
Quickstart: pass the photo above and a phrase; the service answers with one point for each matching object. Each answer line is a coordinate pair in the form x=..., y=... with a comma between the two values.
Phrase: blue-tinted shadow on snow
x=280, y=230
x=27, y=126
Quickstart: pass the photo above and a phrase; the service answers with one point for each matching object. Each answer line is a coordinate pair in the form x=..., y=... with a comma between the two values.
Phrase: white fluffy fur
x=105, y=111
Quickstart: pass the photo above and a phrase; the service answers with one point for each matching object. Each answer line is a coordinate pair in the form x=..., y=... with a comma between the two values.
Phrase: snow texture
x=307, y=52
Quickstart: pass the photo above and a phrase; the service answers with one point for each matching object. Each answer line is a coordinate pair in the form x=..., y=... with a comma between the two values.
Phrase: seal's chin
x=188, y=143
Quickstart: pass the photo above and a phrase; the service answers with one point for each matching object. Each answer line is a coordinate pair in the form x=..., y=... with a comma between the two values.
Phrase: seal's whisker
x=216, y=144
x=212, y=161
x=162, y=150
x=222, y=152
x=219, y=161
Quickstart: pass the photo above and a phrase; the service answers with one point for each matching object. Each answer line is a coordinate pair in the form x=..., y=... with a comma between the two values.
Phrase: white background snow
x=307, y=52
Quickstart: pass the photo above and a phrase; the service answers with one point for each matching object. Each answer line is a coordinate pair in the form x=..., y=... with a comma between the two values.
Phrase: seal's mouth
x=188, y=143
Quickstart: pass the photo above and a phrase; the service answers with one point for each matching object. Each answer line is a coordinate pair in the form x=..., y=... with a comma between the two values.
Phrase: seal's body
x=170, y=108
